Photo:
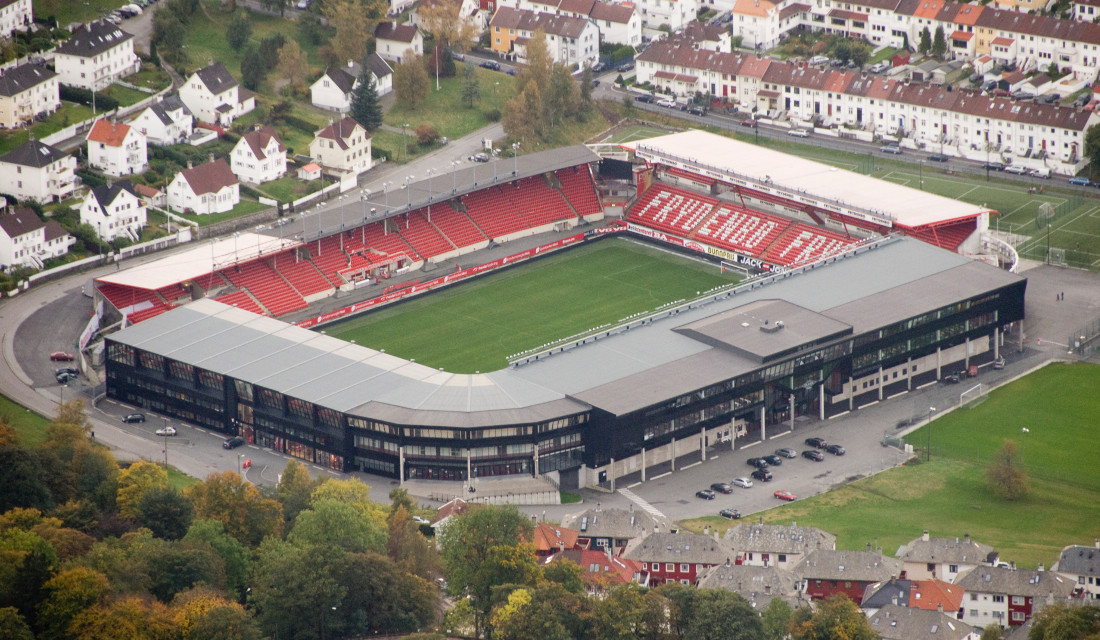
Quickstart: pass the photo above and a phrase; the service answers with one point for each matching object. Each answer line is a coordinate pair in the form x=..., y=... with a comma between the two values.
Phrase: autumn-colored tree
x=560, y=99
x=295, y=487
x=13, y=626
x=134, y=481
x=834, y=617
x=350, y=21
x=426, y=134
x=1006, y=476
x=130, y=618
x=408, y=548
x=27, y=562
x=8, y=438
x=410, y=81
x=238, y=505
x=354, y=492
x=69, y=593
x=192, y=608
x=444, y=22
x=523, y=114
x=539, y=64
x=293, y=66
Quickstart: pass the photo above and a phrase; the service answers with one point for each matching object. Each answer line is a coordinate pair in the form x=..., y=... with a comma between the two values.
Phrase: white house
x=393, y=40
x=15, y=15
x=259, y=156
x=1009, y=596
x=27, y=91
x=382, y=73
x=26, y=241
x=207, y=188
x=96, y=56
x=569, y=40
x=342, y=147
x=334, y=91
x=214, y=97
x=617, y=23
x=674, y=13
x=37, y=171
x=114, y=210
x=117, y=149
x=165, y=123
x=1081, y=565
x=782, y=546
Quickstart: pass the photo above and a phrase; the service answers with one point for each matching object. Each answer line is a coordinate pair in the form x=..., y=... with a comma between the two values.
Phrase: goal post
x=972, y=397
x=734, y=267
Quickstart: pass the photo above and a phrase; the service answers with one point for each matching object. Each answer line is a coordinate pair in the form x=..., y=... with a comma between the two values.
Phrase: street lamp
x=165, y=419
x=454, y=176
x=239, y=457
x=928, y=453
x=431, y=172
x=920, y=164
x=386, y=191
x=408, y=191
x=515, y=159
x=405, y=139
x=1048, y=242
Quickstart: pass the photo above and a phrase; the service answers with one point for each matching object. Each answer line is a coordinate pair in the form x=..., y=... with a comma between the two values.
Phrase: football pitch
x=476, y=326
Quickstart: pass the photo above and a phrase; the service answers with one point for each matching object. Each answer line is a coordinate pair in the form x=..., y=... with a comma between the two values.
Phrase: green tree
x=835, y=617
x=776, y=618
x=311, y=30
x=1062, y=622
x=560, y=99
x=67, y=594
x=27, y=562
x=335, y=524
x=23, y=480
x=586, y=86
x=993, y=631
x=471, y=88
x=567, y=573
x=293, y=589
x=173, y=567
x=247, y=516
x=295, y=485
x=165, y=512
x=238, y=31
x=475, y=547
x=523, y=114
x=365, y=108
x=631, y=613
x=411, y=82
x=1006, y=476
x=925, y=41
x=235, y=556
x=939, y=43
x=628, y=108
x=408, y=549
x=253, y=68
x=723, y=615
x=539, y=63
x=13, y=626
x=1092, y=145
x=381, y=598
x=861, y=53
x=280, y=6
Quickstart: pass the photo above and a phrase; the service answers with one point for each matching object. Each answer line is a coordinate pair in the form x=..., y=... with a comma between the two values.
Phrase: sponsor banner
x=89, y=330
x=725, y=254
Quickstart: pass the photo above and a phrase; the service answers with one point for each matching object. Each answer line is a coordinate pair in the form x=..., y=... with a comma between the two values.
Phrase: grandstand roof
x=801, y=179
x=199, y=260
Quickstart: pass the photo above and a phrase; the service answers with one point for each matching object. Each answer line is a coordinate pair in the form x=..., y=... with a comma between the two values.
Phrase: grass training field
x=949, y=496
x=476, y=326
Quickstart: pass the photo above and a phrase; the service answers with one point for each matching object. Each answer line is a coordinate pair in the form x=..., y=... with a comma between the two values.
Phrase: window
x=1017, y=616
x=998, y=598
x=1018, y=600
x=670, y=567
x=973, y=613
x=684, y=568
x=973, y=597
x=954, y=568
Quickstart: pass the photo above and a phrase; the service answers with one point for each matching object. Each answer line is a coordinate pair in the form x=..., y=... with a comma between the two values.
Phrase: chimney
x=1012, y=565
x=924, y=536
x=211, y=157
x=1042, y=567
x=706, y=530
x=868, y=546
x=189, y=164
x=894, y=600
x=939, y=607
x=966, y=538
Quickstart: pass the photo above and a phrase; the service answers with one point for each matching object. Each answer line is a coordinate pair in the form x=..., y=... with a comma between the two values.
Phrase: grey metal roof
x=99, y=37
x=778, y=538
x=897, y=622
x=616, y=523
x=693, y=548
x=1080, y=560
x=951, y=550
x=751, y=581
x=33, y=153
x=1016, y=582
x=26, y=76
x=833, y=564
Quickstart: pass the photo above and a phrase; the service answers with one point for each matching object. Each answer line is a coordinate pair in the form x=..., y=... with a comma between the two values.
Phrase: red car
x=783, y=494
x=62, y=356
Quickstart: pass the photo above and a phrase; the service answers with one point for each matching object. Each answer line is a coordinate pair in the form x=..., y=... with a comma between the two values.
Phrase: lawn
x=69, y=113
x=521, y=308
x=949, y=496
x=245, y=207
x=445, y=109
x=290, y=188
x=67, y=11
x=30, y=427
x=125, y=95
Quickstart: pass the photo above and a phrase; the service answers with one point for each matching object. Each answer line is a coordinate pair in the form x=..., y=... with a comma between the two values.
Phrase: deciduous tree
x=410, y=81
x=66, y=595
x=165, y=512
x=381, y=598
x=560, y=99
x=445, y=24
x=296, y=485
x=723, y=615
x=776, y=618
x=471, y=87
x=408, y=548
x=334, y=524
x=353, y=21
x=238, y=31
x=234, y=555
x=13, y=626
x=130, y=618
x=292, y=66
x=1006, y=476
x=134, y=481
x=294, y=588
x=253, y=68
x=835, y=617
x=246, y=515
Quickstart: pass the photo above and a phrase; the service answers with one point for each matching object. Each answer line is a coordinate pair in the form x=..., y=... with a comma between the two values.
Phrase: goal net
x=728, y=266
x=972, y=397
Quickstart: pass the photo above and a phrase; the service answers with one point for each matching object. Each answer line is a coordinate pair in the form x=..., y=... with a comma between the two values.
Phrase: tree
x=311, y=30
x=253, y=68
x=334, y=524
x=1092, y=145
x=471, y=88
x=235, y=556
x=280, y=6
x=861, y=53
x=22, y=480
x=426, y=134
x=352, y=21
x=238, y=31
x=410, y=81
x=365, y=108
x=408, y=549
x=835, y=617
x=723, y=615
x=67, y=594
x=1006, y=476
x=993, y=631
x=523, y=113
x=586, y=86
x=293, y=588
x=165, y=512
x=381, y=598
x=168, y=32
x=925, y=41
x=539, y=63
x=134, y=481
x=939, y=43
x=628, y=613
x=296, y=485
x=560, y=98
x=13, y=626
x=628, y=107
x=130, y=618
x=566, y=573
x=1061, y=622
x=246, y=515
x=444, y=22
x=354, y=492
x=204, y=614
x=293, y=66
x=776, y=618
x=474, y=547
x=173, y=567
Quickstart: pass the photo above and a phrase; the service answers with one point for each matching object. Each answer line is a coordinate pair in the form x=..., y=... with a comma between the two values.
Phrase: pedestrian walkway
x=648, y=508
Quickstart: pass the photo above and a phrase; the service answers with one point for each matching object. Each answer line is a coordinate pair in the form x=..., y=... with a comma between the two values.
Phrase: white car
x=744, y=483
x=1016, y=170
x=799, y=133
x=166, y=431
x=669, y=104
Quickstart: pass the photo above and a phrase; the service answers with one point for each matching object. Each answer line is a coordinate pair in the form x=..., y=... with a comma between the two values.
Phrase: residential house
x=334, y=90
x=15, y=15
x=395, y=42
x=569, y=40
x=612, y=529
x=600, y=569
x=1081, y=564
x=777, y=545
x=944, y=558
x=937, y=595
x=1008, y=596
x=762, y=23
x=898, y=622
x=117, y=149
x=756, y=584
x=553, y=539
x=464, y=10
x=26, y=241
x=114, y=210
x=207, y=188
x=674, y=13
x=36, y=171
x=166, y=122
x=676, y=557
x=343, y=147
x=259, y=156
x=828, y=572
x=878, y=595
x=711, y=37
x=150, y=196
x=96, y=56
x=27, y=91
x=215, y=97
x=382, y=73
x=454, y=508
x=1086, y=10
x=618, y=23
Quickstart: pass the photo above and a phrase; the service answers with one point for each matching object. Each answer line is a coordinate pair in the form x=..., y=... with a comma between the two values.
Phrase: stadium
x=856, y=290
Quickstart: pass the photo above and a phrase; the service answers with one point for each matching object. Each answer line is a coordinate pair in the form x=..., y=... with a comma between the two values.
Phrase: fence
x=1083, y=340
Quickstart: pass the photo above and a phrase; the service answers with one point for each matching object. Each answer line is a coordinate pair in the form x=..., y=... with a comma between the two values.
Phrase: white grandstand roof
x=802, y=179
x=200, y=260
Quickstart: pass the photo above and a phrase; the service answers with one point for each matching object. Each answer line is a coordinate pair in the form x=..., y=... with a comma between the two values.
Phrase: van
x=819, y=60
x=1042, y=172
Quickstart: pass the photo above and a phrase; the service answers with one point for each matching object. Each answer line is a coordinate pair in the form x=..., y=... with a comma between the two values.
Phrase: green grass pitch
x=949, y=496
x=476, y=326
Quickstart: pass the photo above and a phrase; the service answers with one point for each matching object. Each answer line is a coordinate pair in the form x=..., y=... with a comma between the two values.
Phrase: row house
x=117, y=149
x=396, y=42
x=27, y=91
x=783, y=546
x=343, y=148
x=215, y=97
x=550, y=540
x=15, y=15
x=207, y=188
x=674, y=13
x=827, y=572
x=601, y=570
x=114, y=210
x=36, y=171
x=612, y=529
x=26, y=241
x=259, y=156
x=1008, y=596
x=569, y=40
x=898, y=622
x=1081, y=564
x=945, y=559
x=617, y=23
x=756, y=584
x=677, y=557
x=96, y=56
x=166, y=122
x=1086, y=10
x=761, y=23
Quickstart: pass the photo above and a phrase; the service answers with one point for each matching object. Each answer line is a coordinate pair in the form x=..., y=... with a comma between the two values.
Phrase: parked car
x=999, y=364
x=937, y=157
x=835, y=449
x=1041, y=172
x=786, y=453
x=134, y=417
x=993, y=166
x=626, y=66
x=697, y=110
x=1016, y=170
x=744, y=483
x=816, y=456
x=598, y=67
x=783, y=494
x=61, y=356
x=759, y=463
x=705, y=494
x=762, y=475
x=951, y=378
x=480, y=157
x=749, y=122
x=645, y=99
x=69, y=370
x=64, y=378
x=664, y=102
x=233, y=443
x=817, y=442
x=166, y=431
x=722, y=487
x=773, y=460
x=732, y=514
x=511, y=72
x=490, y=64
x=1078, y=181
x=891, y=148
x=799, y=133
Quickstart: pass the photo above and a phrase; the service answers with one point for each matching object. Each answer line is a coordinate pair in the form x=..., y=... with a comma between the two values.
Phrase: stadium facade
x=819, y=340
